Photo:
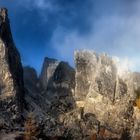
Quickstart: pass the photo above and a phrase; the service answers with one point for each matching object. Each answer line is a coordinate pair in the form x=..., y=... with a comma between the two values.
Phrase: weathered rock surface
x=53, y=95
x=92, y=68
x=58, y=86
x=52, y=99
x=95, y=101
x=47, y=72
x=11, y=74
x=105, y=99
x=106, y=94
x=34, y=100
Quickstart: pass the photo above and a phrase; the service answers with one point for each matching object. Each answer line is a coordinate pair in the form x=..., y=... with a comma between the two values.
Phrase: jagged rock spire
x=11, y=73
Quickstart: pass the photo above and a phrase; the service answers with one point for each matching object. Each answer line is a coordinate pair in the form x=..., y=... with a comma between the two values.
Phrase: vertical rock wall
x=91, y=68
x=11, y=73
x=57, y=80
x=48, y=69
x=106, y=94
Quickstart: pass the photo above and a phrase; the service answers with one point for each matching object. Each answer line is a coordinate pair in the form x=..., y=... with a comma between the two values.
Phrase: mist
x=58, y=27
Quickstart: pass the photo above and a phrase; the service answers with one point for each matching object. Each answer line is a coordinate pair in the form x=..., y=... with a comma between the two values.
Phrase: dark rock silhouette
x=53, y=92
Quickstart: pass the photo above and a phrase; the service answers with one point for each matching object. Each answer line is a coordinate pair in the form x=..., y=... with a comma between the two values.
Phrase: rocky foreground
x=91, y=102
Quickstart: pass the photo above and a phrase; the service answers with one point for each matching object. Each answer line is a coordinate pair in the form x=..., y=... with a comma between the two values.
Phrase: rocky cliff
x=97, y=100
x=53, y=90
x=50, y=96
x=48, y=69
x=104, y=97
x=106, y=94
x=34, y=100
x=11, y=75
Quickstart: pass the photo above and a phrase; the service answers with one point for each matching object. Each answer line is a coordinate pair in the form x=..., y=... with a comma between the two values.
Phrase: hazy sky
x=55, y=28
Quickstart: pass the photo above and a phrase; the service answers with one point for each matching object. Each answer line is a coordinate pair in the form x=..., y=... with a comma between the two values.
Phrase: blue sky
x=55, y=28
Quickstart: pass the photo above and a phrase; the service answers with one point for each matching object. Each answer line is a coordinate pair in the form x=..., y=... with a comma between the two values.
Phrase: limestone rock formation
x=11, y=74
x=34, y=100
x=57, y=80
x=53, y=94
x=95, y=101
x=90, y=67
x=48, y=69
x=105, y=99
x=105, y=93
x=51, y=98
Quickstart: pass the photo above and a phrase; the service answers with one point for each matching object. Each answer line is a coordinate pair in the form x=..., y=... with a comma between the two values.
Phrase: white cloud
x=116, y=35
x=124, y=65
x=116, y=31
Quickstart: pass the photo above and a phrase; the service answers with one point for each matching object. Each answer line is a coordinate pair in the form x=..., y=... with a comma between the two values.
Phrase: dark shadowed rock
x=62, y=80
x=35, y=102
x=11, y=74
x=60, y=88
x=30, y=76
x=53, y=95
x=49, y=99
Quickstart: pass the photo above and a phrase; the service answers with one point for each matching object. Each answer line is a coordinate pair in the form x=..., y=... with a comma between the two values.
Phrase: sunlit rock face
x=93, y=71
x=48, y=69
x=11, y=73
x=106, y=93
x=136, y=80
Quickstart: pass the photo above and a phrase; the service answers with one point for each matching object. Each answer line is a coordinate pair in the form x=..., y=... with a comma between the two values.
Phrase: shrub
x=31, y=128
x=138, y=97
